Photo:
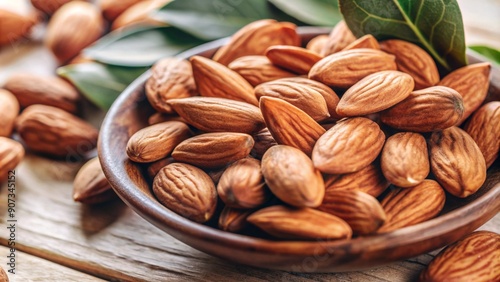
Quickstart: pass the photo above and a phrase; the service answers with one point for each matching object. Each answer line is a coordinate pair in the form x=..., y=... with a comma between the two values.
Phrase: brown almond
x=161, y=117
x=218, y=114
x=186, y=190
x=295, y=59
x=263, y=141
x=345, y=68
x=484, y=128
x=404, y=159
x=290, y=125
x=11, y=154
x=14, y=26
x=457, y=162
x=317, y=43
x=348, y=146
x=49, y=6
x=365, y=41
x=409, y=206
x=233, y=220
x=374, y=93
x=258, y=69
x=472, y=82
x=414, y=61
x=339, y=38
x=306, y=223
x=90, y=185
x=139, y=13
x=111, y=9
x=369, y=180
x=426, y=110
x=9, y=110
x=156, y=166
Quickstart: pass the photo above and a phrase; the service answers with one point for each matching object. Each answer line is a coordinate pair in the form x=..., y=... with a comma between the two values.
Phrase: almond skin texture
x=258, y=69
x=317, y=43
x=214, y=150
x=31, y=89
x=11, y=154
x=171, y=78
x=426, y=110
x=344, y=69
x=9, y=110
x=242, y=185
x=474, y=258
x=369, y=180
x=90, y=185
x=216, y=80
x=187, y=191
x=362, y=212
x=255, y=38
x=263, y=141
x=374, y=93
x=339, y=38
x=303, y=93
x=472, y=82
x=234, y=220
x=218, y=114
x=457, y=162
x=405, y=160
x=14, y=26
x=52, y=131
x=484, y=128
x=348, y=146
x=61, y=37
x=291, y=176
x=306, y=223
x=414, y=61
x=409, y=206
x=290, y=125
x=157, y=141
x=111, y=9
x=366, y=41
x=295, y=59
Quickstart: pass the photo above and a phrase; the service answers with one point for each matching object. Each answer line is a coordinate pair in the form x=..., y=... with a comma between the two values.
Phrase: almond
x=409, y=206
x=11, y=154
x=161, y=117
x=290, y=125
x=255, y=38
x=233, y=220
x=365, y=41
x=263, y=141
x=374, y=93
x=156, y=166
x=339, y=38
x=258, y=69
x=457, y=162
x=426, y=110
x=484, y=128
x=14, y=26
x=306, y=223
x=369, y=180
x=187, y=191
x=219, y=114
x=9, y=110
x=139, y=13
x=414, y=61
x=111, y=9
x=317, y=43
x=291, y=176
x=345, y=68
x=348, y=146
x=472, y=82
x=295, y=59
x=49, y=6
x=214, y=150
x=90, y=185
x=405, y=161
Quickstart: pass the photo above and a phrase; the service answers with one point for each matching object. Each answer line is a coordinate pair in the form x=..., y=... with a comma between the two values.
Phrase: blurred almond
x=11, y=154
x=233, y=220
x=369, y=180
x=90, y=185
x=111, y=9
x=160, y=117
x=295, y=59
x=366, y=41
x=317, y=43
x=9, y=110
x=263, y=141
x=139, y=13
x=49, y=6
x=339, y=38
x=258, y=69
x=14, y=26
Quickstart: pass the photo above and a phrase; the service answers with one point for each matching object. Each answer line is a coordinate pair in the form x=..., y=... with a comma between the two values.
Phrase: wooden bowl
x=130, y=113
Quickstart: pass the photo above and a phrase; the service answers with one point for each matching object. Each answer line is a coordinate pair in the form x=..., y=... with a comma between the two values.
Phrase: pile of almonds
x=303, y=143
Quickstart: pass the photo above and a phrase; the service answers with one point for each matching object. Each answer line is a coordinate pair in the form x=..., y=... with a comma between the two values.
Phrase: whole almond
x=139, y=13
x=474, y=258
x=214, y=150
x=290, y=125
x=409, y=206
x=171, y=78
x=457, y=162
x=484, y=128
x=233, y=220
x=255, y=38
x=9, y=110
x=291, y=176
x=365, y=41
x=111, y=9
x=242, y=185
x=90, y=185
x=362, y=212
x=11, y=154
x=295, y=59
x=306, y=223
x=52, y=131
x=369, y=180
x=258, y=69
x=339, y=38
x=414, y=61
x=374, y=93
x=472, y=83
x=263, y=141
x=186, y=190
x=348, y=146
x=49, y=6
x=31, y=89
x=404, y=159
x=14, y=26
x=219, y=114
x=157, y=141
x=317, y=43
x=426, y=110
x=216, y=80
x=345, y=68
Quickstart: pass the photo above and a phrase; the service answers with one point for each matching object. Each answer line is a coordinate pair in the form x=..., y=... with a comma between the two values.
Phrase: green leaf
x=141, y=46
x=100, y=83
x=313, y=12
x=490, y=53
x=435, y=25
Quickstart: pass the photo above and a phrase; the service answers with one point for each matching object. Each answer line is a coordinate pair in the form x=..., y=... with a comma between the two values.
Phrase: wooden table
x=59, y=240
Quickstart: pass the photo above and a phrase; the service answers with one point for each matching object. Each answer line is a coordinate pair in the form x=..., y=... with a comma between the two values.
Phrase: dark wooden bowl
x=129, y=114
